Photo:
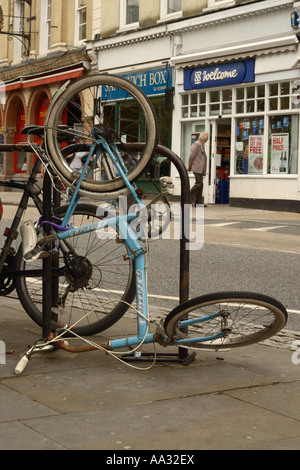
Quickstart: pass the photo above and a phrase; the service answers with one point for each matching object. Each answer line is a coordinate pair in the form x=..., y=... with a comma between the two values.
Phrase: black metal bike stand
x=183, y=356
x=47, y=262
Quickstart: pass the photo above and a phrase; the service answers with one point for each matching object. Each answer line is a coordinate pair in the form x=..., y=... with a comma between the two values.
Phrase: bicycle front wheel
x=90, y=277
x=108, y=105
x=243, y=318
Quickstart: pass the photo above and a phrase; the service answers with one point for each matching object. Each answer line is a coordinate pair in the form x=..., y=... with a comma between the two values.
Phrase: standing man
x=197, y=164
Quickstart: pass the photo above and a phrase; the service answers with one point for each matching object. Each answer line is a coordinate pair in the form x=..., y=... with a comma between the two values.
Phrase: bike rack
x=51, y=196
x=183, y=356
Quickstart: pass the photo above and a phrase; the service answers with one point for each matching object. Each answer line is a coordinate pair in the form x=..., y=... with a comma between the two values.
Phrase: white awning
x=238, y=52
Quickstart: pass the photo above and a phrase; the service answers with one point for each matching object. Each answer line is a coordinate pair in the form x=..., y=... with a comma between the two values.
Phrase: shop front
x=253, y=123
x=156, y=83
x=26, y=102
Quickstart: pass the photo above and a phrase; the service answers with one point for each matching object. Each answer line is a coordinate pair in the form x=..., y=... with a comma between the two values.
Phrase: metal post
x=184, y=267
x=47, y=262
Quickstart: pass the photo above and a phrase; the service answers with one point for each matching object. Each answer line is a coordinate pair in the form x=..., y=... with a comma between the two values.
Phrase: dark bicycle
x=84, y=275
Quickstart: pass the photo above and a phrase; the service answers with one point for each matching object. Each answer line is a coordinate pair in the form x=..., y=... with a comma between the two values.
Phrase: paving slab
x=213, y=421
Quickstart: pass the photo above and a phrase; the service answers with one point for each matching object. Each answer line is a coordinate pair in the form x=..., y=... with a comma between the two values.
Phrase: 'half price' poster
x=279, y=153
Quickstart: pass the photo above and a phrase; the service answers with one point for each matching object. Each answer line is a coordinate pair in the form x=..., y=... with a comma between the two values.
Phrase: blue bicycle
x=105, y=106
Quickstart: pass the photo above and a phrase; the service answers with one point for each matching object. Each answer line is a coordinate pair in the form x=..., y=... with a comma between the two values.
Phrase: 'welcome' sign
x=219, y=75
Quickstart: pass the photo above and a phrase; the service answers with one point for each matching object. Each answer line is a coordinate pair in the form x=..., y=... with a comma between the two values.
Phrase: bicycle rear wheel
x=244, y=317
x=93, y=278
x=113, y=107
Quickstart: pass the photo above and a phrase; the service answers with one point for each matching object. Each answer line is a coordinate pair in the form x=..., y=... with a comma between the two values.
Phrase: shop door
x=223, y=145
x=211, y=164
x=219, y=161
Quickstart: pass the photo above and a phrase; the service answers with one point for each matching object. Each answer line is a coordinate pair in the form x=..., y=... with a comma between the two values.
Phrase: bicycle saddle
x=63, y=134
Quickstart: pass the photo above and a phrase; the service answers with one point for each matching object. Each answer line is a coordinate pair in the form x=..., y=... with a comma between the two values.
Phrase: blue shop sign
x=220, y=75
x=152, y=82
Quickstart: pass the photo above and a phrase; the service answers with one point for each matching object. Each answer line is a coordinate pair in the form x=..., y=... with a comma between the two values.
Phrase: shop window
x=215, y=105
x=185, y=106
x=193, y=105
x=250, y=99
x=130, y=118
x=295, y=94
x=161, y=166
x=249, y=145
x=226, y=101
x=260, y=94
x=279, y=96
x=220, y=102
x=283, y=144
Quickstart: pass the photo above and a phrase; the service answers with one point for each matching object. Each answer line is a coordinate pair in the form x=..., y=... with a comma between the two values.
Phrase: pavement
x=243, y=399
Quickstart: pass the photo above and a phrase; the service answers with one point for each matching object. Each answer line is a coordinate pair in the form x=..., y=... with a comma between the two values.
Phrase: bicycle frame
x=136, y=251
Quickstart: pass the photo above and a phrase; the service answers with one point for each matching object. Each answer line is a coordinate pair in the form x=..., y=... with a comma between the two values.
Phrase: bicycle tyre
x=112, y=115
x=105, y=284
x=251, y=318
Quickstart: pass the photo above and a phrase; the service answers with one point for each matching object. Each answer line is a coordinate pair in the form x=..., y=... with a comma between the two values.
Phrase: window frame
x=78, y=10
x=19, y=47
x=164, y=15
x=195, y=107
x=214, y=4
x=123, y=17
x=45, y=27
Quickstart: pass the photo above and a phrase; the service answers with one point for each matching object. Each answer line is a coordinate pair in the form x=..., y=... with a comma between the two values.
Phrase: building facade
x=230, y=67
x=42, y=44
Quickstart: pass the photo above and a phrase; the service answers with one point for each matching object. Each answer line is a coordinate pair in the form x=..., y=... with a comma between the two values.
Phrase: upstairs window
x=19, y=49
x=170, y=9
x=220, y=3
x=81, y=20
x=129, y=14
x=48, y=23
x=45, y=26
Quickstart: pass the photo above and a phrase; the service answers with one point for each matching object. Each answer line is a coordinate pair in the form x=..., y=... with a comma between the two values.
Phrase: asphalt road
x=249, y=250
x=255, y=251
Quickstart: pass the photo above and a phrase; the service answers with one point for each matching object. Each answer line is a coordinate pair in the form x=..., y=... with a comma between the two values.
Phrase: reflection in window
x=132, y=11
x=174, y=6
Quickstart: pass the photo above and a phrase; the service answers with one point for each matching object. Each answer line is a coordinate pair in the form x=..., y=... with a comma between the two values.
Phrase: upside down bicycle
x=104, y=106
